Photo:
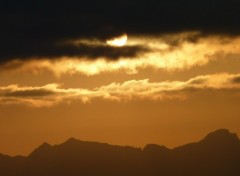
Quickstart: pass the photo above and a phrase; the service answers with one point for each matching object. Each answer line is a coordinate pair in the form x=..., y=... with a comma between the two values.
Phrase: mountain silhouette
x=218, y=154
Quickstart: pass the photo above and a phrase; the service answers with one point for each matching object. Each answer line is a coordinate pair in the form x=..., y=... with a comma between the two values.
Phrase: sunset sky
x=120, y=72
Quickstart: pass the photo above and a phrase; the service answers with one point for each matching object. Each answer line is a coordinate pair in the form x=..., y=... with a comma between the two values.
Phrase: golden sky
x=168, y=89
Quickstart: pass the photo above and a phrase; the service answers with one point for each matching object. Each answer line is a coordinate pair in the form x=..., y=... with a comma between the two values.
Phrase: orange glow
x=157, y=95
x=162, y=56
x=118, y=41
x=53, y=94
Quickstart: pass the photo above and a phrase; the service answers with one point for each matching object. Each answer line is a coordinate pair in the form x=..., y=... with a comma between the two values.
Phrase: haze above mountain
x=218, y=154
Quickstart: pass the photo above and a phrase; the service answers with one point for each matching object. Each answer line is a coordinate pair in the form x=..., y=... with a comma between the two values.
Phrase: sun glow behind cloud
x=166, y=53
x=118, y=41
x=165, y=85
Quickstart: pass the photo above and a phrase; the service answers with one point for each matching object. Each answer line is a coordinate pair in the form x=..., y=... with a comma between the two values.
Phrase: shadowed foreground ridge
x=218, y=154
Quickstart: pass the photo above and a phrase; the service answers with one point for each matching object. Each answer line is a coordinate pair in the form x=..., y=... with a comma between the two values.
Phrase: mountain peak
x=41, y=149
x=71, y=140
x=221, y=136
x=155, y=147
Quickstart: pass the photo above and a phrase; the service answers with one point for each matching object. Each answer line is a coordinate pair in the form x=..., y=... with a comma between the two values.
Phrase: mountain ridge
x=218, y=153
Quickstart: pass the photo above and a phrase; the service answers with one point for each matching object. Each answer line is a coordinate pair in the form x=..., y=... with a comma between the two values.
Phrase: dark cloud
x=236, y=80
x=96, y=51
x=32, y=28
x=90, y=51
x=29, y=93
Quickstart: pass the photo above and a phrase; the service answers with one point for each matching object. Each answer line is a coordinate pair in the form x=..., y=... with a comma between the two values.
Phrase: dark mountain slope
x=218, y=154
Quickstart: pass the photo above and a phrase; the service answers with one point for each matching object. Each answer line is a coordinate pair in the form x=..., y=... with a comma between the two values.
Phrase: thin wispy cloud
x=53, y=94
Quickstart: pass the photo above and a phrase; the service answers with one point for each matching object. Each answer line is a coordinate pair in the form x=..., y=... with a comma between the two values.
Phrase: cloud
x=30, y=29
x=236, y=80
x=81, y=50
x=167, y=52
x=53, y=94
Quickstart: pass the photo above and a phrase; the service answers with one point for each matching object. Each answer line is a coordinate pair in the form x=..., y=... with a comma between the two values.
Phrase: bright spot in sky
x=118, y=41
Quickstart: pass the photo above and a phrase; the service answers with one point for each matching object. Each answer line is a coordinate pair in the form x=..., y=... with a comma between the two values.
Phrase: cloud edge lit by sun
x=118, y=41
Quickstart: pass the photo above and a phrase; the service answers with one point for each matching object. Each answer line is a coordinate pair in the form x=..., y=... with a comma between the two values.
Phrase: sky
x=120, y=72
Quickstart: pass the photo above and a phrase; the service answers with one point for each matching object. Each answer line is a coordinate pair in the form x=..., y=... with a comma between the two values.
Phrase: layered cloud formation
x=53, y=94
x=166, y=52
x=70, y=38
x=34, y=30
